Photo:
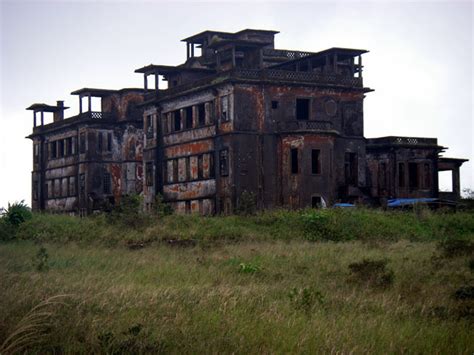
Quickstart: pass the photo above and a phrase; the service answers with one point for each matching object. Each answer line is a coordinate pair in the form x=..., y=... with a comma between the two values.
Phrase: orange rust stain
x=116, y=173
x=189, y=148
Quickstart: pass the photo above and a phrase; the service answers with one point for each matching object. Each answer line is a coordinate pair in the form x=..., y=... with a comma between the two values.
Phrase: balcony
x=292, y=126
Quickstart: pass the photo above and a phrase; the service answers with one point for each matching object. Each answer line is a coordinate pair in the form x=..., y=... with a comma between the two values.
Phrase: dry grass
x=198, y=300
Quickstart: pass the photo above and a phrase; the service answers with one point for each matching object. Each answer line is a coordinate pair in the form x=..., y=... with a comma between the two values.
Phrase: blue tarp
x=344, y=205
x=399, y=202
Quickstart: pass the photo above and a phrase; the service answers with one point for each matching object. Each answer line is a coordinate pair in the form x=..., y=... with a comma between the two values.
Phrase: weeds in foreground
x=34, y=326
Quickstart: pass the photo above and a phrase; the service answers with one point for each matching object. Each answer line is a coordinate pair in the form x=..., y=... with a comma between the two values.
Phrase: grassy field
x=281, y=282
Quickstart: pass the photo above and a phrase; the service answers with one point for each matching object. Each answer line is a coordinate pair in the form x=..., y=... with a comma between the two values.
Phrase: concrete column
x=192, y=50
x=157, y=81
x=42, y=118
x=89, y=98
x=187, y=50
x=360, y=66
x=233, y=57
x=145, y=81
x=456, y=182
x=80, y=103
x=34, y=118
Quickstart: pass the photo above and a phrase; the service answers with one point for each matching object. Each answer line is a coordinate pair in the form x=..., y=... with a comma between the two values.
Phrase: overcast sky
x=420, y=60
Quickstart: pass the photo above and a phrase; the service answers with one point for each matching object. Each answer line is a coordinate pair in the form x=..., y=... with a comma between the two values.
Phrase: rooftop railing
x=403, y=141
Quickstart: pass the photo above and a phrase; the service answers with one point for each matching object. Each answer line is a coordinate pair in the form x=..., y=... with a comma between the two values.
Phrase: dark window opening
x=106, y=183
x=82, y=143
x=188, y=206
x=69, y=146
x=189, y=117
x=302, y=109
x=413, y=175
x=149, y=126
x=177, y=120
x=200, y=167
x=202, y=114
x=35, y=190
x=52, y=150
x=427, y=175
x=224, y=162
x=401, y=174
x=100, y=142
x=212, y=172
x=149, y=174
x=188, y=169
x=61, y=148
x=274, y=105
x=109, y=142
x=294, y=160
x=225, y=108
x=350, y=168
x=72, y=185
x=36, y=153
x=165, y=123
x=316, y=202
x=175, y=170
x=315, y=161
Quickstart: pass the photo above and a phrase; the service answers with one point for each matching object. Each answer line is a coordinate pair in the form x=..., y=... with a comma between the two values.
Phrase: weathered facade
x=240, y=115
x=86, y=162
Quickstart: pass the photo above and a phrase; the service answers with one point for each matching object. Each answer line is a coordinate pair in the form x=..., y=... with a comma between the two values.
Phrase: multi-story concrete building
x=239, y=115
x=85, y=162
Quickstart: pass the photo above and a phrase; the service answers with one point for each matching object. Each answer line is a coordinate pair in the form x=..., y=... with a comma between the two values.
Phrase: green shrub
x=128, y=213
x=17, y=213
x=247, y=205
x=41, y=260
x=372, y=272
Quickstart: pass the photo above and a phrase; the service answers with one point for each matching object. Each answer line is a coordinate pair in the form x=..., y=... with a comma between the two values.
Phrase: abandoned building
x=84, y=162
x=238, y=115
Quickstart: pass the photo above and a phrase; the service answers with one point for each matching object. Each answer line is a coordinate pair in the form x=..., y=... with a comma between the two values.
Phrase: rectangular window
x=34, y=191
x=68, y=146
x=413, y=175
x=188, y=206
x=188, y=169
x=401, y=174
x=82, y=185
x=200, y=167
x=72, y=186
x=315, y=161
x=302, y=109
x=149, y=174
x=224, y=162
x=36, y=153
x=212, y=171
x=189, y=117
x=427, y=175
x=350, y=168
x=177, y=120
x=82, y=142
x=164, y=122
x=61, y=148
x=201, y=114
x=52, y=150
x=149, y=126
x=274, y=105
x=225, y=109
x=294, y=160
x=100, y=142
x=175, y=170
x=109, y=142
x=106, y=183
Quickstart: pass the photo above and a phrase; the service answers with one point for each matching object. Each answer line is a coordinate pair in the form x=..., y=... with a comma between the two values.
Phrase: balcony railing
x=403, y=141
x=96, y=115
x=304, y=126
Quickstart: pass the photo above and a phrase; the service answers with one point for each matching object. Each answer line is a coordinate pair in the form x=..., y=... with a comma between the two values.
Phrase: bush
x=17, y=213
x=128, y=213
x=248, y=268
x=372, y=272
x=247, y=205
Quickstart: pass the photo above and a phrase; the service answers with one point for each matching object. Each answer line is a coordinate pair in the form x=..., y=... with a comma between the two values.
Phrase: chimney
x=59, y=114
